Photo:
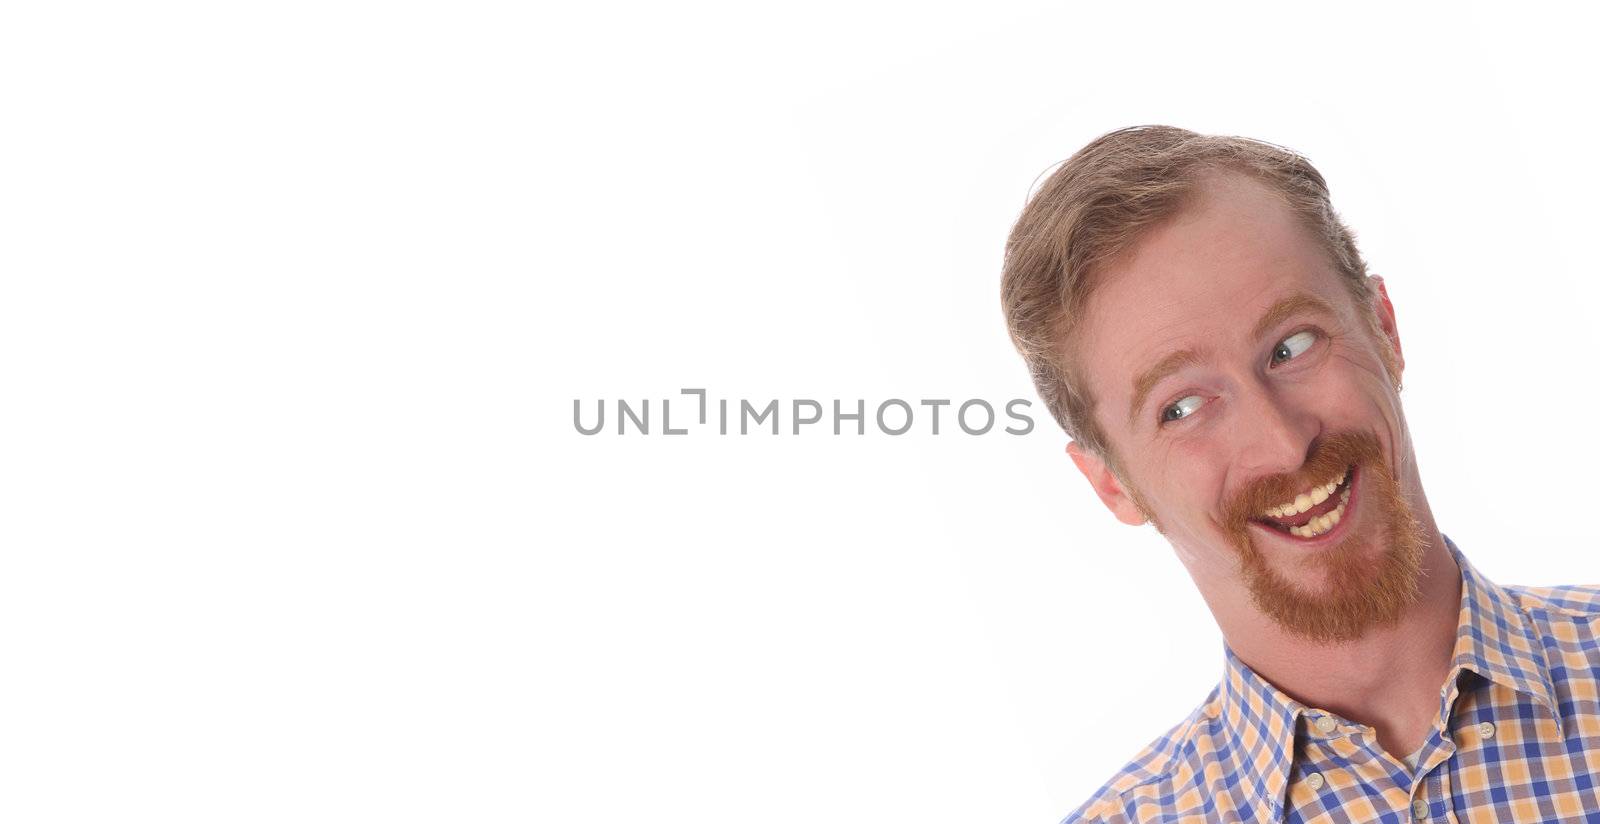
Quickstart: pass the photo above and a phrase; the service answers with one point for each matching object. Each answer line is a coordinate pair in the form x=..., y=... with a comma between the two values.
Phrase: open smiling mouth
x=1314, y=513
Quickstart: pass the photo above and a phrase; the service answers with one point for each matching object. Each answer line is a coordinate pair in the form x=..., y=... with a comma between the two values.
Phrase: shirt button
x=1326, y=724
x=1314, y=781
x=1486, y=730
x=1419, y=808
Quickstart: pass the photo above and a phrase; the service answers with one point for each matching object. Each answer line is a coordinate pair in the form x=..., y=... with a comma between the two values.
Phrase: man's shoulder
x=1579, y=602
x=1165, y=779
x=1566, y=622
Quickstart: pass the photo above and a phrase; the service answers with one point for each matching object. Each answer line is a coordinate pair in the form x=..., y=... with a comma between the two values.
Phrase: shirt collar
x=1259, y=723
x=1493, y=639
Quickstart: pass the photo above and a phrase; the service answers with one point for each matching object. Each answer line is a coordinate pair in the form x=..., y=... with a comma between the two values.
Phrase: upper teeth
x=1307, y=499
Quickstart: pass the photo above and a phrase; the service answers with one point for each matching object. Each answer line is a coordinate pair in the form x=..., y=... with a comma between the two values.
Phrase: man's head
x=1197, y=317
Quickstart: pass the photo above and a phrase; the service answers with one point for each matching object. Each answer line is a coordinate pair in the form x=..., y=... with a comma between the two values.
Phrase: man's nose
x=1274, y=433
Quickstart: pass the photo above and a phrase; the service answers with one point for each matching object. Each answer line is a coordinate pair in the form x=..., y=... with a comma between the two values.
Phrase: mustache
x=1329, y=456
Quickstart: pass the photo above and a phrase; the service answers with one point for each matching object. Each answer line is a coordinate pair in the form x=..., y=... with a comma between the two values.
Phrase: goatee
x=1369, y=577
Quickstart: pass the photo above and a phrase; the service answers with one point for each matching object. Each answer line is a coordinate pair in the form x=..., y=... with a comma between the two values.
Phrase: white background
x=298, y=298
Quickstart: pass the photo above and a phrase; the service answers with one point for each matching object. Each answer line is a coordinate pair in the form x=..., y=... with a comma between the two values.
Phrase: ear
x=1385, y=312
x=1105, y=483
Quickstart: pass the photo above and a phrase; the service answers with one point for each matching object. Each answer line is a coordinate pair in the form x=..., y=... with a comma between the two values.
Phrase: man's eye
x=1293, y=346
x=1183, y=408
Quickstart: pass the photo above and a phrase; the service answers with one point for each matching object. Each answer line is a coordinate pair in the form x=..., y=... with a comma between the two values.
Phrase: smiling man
x=1201, y=323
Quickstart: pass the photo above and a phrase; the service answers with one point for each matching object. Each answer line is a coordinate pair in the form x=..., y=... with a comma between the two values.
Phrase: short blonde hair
x=1098, y=204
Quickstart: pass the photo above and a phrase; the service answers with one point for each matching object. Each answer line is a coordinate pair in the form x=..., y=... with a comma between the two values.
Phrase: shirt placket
x=1431, y=797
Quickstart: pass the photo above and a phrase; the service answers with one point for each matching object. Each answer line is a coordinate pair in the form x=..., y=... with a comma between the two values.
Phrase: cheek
x=1360, y=362
x=1187, y=487
x=1360, y=382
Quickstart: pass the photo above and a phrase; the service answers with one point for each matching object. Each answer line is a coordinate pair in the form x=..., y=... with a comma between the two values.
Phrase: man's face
x=1234, y=373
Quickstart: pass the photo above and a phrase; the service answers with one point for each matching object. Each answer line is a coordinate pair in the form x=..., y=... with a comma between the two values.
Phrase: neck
x=1388, y=679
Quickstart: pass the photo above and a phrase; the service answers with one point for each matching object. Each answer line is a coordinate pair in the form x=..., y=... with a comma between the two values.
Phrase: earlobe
x=1106, y=485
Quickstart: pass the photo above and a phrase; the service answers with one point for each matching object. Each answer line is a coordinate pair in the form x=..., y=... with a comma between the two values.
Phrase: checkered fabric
x=1520, y=740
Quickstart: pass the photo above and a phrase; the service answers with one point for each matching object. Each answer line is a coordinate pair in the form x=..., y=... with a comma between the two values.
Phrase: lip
x=1332, y=535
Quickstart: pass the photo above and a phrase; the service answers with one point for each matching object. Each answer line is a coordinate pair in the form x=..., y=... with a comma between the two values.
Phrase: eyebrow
x=1155, y=374
x=1299, y=303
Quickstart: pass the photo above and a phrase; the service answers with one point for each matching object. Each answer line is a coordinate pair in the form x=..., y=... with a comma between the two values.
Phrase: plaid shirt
x=1521, y=739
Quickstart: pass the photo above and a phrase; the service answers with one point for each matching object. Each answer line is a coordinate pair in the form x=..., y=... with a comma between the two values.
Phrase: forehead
x=1201, y=279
